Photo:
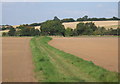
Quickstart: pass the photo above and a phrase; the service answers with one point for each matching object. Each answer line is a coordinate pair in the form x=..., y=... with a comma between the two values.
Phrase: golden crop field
x=106, y=24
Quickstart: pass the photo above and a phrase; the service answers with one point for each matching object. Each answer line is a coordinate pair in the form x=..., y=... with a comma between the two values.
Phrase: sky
x=59, y=0
x=16, y=13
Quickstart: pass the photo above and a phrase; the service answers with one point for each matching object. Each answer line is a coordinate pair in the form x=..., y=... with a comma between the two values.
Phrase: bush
x=4, y=34
x=12, y=32
x=69, y=32
x=29, y=32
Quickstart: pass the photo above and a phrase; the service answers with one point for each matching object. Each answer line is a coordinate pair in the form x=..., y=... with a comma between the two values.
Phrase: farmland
x=65, y=67
x=17, y=65
x=106, y=24
x=95, y=49
x=78, y=57
x=59, y=65
x=57, y=42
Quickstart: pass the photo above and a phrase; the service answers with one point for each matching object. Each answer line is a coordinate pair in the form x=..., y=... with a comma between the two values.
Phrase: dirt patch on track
x=17, y=63
x=103, y=51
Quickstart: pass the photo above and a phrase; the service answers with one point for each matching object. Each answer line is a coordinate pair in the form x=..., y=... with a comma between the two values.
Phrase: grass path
x=53, y=65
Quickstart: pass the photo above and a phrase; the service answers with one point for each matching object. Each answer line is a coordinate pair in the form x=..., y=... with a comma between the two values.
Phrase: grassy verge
x=53, y=65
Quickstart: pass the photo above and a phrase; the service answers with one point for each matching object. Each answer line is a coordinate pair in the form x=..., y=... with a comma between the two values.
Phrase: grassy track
x=53, y=65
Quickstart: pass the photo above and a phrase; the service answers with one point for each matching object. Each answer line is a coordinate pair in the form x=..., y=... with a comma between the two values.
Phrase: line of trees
x=86, y=18
x=90, y=29
x=5, y=27
x=55, y=27
x=22, y=31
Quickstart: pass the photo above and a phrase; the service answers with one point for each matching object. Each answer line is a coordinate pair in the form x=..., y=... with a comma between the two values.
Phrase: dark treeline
x=55, y=27
x=86, y=18
x=5, y=27
x=91, y=29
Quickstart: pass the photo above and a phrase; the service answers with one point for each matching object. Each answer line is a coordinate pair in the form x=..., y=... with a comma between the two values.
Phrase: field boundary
x=51, y=63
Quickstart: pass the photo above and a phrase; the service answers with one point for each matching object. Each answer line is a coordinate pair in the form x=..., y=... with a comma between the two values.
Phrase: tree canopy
x=56, y=18
x=12, y=32
x=86, y=28
x=55, y=27
x=52, y=27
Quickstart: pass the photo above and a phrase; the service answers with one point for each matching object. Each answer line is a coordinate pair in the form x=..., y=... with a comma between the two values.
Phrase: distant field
x=103, y=51
x=106, y=24
x=4, y=31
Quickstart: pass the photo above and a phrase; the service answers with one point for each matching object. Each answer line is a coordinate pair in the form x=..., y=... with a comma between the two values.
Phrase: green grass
x=53, y=65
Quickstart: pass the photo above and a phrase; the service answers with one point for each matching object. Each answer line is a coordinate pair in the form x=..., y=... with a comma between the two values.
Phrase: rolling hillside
x=106, y=24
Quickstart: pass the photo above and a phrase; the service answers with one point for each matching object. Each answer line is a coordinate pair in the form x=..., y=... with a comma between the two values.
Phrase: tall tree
x=52, y=27
x=56, y=18
x=85, y=18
